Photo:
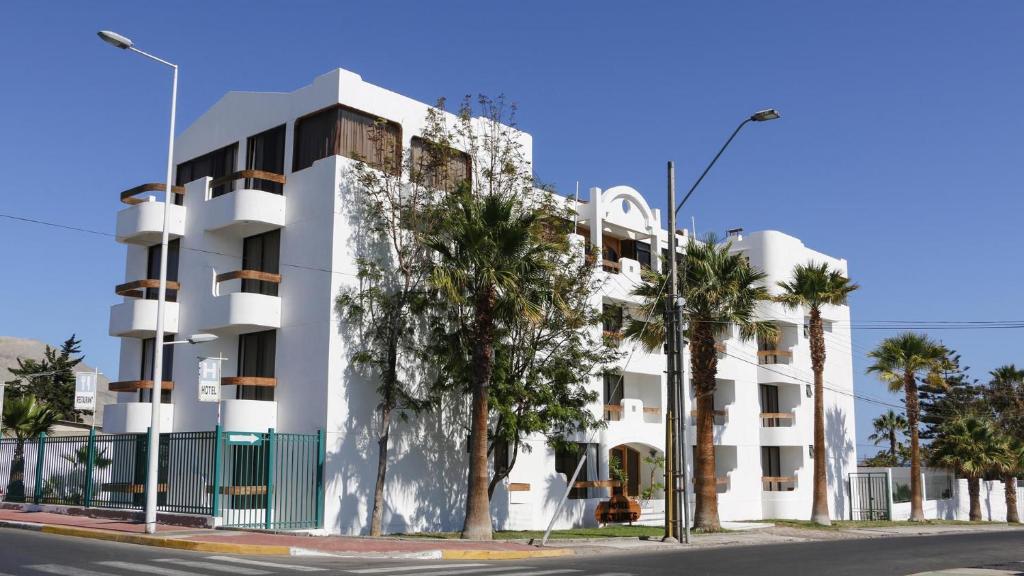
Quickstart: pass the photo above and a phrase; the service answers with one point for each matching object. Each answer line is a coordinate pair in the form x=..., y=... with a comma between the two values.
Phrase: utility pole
x=676, y=505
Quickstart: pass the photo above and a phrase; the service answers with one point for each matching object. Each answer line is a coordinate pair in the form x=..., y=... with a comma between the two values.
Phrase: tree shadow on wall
x=839, y=447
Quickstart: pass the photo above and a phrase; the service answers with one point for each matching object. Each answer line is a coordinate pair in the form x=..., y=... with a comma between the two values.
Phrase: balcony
x=248, y=415
x=137, y=318
x=134, y=417
x=778, y=483
x=143, y=221
x=245, y=211
x=238, y=312
x=766, y=357
x=779, y=429
x=631, y=410
x=135, y=385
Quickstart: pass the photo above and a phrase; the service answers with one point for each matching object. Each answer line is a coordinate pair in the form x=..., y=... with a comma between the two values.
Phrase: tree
x=814, y=286
x=1005, y=397
x=393, y=270
x=900, y=361
x=721, y=289
x=1014, y=468
x=23, y=418
x=972, y=447
x=55, y=384
x=953, y=394
x=888, y=428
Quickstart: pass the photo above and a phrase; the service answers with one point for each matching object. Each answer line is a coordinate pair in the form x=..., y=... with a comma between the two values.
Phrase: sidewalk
x=262, y=543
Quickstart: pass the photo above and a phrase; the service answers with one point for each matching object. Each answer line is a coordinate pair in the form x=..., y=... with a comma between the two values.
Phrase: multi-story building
x=264, y=239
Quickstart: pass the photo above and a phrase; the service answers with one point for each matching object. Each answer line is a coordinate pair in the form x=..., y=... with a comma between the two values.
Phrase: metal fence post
x=215, y=501
x=321, y=440
x=270, y=480
x=40, y=457
x=90, y=461
x=145, y=469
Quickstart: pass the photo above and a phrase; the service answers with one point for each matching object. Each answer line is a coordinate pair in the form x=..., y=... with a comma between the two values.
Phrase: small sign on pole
x=209, y=379
x=85, y=390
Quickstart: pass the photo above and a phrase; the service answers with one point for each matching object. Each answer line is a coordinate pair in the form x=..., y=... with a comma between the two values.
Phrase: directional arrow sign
x=244, y=439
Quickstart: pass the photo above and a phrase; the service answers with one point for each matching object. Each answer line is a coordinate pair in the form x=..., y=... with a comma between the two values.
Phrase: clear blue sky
x=899, y=149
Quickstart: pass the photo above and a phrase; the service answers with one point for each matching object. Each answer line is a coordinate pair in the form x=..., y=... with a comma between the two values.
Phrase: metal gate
x=869, y=496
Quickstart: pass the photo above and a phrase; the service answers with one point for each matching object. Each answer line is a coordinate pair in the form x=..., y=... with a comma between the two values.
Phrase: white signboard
x=209, y=379
x=85, y=391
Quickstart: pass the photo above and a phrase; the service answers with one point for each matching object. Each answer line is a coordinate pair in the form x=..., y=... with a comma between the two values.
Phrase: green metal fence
x=253, y=480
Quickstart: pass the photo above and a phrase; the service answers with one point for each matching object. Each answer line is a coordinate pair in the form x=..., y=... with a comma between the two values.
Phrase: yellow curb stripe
x=504, y=554
x=174, y=543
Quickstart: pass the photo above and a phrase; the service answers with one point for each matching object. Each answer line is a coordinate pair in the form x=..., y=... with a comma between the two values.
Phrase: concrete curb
x=271, y=550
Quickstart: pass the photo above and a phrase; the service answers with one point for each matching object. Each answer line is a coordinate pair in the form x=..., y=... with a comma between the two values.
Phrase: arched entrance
x=639, y=468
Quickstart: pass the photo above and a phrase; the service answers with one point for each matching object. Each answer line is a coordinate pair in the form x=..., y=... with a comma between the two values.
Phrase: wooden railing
x=609, y=266
x=248, y=381
x=775, y=483
x=773, y=419
x=519, y=487
x=128, y=196
x=597, y=484
x=250, y=275
x=617, y=410
x=132, y=385
x=248, y=175
x=134, y=289
x=772, y=356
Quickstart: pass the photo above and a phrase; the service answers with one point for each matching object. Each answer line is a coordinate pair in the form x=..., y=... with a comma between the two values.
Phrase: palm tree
x=720, y=289
x=888, y=427
x=814, y=286
x=490, y=257
x=899, y=361
x=23, y=418
x=972, y=447
x=1014, y=468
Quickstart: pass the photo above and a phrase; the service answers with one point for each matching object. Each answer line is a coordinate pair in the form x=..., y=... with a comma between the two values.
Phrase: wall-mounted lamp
x=808, y=390
x=810, y=451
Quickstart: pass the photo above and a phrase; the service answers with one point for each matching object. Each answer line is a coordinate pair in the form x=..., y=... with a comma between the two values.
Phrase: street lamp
x=124, y=43
x=676, y=424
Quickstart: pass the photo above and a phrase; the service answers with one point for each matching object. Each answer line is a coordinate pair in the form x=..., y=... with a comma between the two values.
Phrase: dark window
x=771, y=465
x=265, y=151
x=614, y=391
x=500, y=454
x=769, y=404
x=153, y=269
x=440, y=167
x=256, y=352
x=611, y=317
x=146, y=367
x=665, y=262
x=342, y=131
x=215, y=164
x=643, y=254
x=262, y=253
x=566, y=461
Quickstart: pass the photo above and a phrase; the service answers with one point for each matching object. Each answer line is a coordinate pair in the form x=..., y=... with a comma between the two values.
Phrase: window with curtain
x=265, y=151
x=344, y=131
x=147, y=365
x=214, y=164
x=262, y=252
x=256, y=356
x=566, y=461
x=153, y=269
x=440, y=167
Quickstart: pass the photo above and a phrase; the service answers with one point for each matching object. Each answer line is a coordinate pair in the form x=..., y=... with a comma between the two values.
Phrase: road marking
x=147, y=568
x=65, y=570
x=215, y=567
x=439, y=572
x=540, y=572
x=392, y=569
x=295, y=567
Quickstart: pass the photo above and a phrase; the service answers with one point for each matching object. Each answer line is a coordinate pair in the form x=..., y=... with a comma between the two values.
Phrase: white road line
x=540, y=572
x=295, y=567
x=214, y=566
x=63, y=570
x=393, y=569
x=446, y=572
x=147, y=568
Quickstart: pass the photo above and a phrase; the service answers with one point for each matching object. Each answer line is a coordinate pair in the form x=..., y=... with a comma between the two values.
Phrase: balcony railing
x=136, y=289
x=248, y=381
x=133, y=385
x=249, y=176
x=778, y=483
x=250, y=275
x=128, y=196
x=774, y=356
x=776, y=419
x=612, y=267
x=613, y=412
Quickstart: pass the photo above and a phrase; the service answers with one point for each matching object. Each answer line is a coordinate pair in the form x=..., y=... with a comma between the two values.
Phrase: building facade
x=264, y=238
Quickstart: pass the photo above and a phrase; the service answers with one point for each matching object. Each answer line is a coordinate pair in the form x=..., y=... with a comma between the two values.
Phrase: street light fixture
x=675, y=424
x=124, y=43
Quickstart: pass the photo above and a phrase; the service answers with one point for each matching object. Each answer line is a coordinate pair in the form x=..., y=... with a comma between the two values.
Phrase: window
x=146, y=368
x=153, y=269
x=566, y=460
x=440, y=167
x=256, y=352
x=265, y=151
x=215, y=164
x=262, y=252
x=500, y=453
x=769, y=396
x=771, y=466
x=614, y=391
x=611, y=318
x=639, y=251
x=342, y=131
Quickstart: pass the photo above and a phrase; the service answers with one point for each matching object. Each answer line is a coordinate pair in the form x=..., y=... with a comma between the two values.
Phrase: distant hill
x=12, y=348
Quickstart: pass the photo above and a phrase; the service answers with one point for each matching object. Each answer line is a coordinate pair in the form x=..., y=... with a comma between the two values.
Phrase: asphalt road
x=36, y=554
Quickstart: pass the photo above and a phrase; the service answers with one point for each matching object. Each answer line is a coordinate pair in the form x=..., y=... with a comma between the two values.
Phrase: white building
x=259, y=262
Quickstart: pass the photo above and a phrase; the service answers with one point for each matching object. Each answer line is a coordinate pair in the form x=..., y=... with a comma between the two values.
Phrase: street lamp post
x=158, y=349
x=674, y=333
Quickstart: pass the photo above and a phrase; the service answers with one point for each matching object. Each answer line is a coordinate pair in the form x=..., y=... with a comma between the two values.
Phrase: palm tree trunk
x=1010, y=486
x=892, y=444
x=704, y=366
x=16, y=481
x=916, y=496
x=974, y=490
x=819, y=504
x=477, y=525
